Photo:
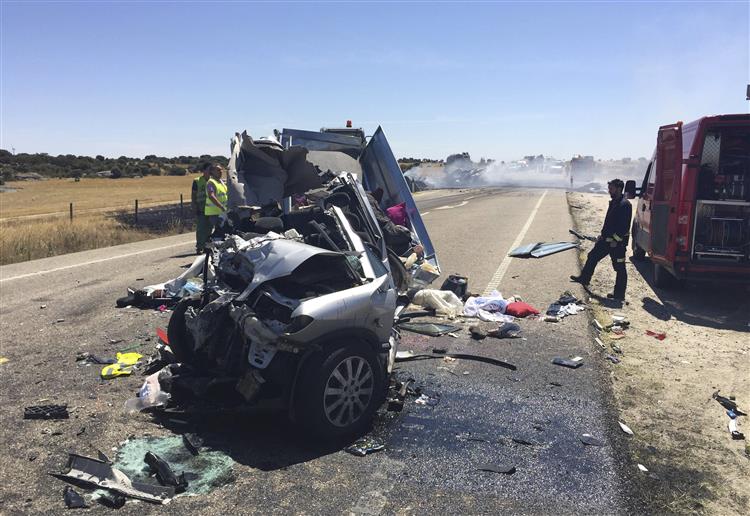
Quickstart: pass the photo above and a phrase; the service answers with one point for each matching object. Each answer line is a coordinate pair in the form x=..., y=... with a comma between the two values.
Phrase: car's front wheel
x=339, y=390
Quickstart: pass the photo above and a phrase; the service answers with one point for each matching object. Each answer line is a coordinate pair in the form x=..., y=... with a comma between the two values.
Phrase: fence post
x=71, y=212
x=136, y=211
x=182, y=215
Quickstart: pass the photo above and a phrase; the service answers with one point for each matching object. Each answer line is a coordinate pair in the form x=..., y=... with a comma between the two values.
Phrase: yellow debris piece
x=124, y=366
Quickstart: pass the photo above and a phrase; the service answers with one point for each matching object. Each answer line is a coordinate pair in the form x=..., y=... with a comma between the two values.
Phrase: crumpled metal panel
x=541, y=249
x=548, y=249
x=278, y=258
x=524, y=250
x=94, y=472
x=381, y=170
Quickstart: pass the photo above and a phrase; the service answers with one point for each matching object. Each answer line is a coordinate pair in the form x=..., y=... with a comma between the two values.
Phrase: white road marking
x=503, y=268
x=464, y=203
x=425, y=213
x=91, y=262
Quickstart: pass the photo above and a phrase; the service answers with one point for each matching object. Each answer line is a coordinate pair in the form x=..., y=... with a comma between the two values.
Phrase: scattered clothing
x=493, y=303
x=444, y=302
x=398, y=214
x=508, y=330
x=559, y=311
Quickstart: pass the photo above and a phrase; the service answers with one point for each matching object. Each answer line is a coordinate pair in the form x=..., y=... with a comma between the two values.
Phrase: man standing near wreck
x=216, y=196
x=612, y=241
x=198, y=200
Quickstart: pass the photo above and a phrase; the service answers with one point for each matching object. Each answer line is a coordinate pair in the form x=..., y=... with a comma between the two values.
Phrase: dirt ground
x=663, y=388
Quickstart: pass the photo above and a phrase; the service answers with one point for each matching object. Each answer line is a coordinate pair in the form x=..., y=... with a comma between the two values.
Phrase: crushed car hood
x=276, y=258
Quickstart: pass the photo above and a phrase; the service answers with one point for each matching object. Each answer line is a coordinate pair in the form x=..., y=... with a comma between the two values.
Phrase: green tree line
x=69, y=165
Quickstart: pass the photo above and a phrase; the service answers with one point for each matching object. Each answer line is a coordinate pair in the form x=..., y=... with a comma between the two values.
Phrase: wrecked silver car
x=302, y=284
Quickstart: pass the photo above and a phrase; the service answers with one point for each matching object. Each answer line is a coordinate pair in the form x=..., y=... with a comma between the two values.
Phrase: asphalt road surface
x=531, y=418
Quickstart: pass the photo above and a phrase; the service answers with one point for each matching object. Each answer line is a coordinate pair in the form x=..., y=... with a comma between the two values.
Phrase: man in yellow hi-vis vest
x=198, y=203
x=216, y=196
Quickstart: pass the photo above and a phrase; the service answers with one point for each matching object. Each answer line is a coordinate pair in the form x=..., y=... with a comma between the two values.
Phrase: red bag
x=520, y=309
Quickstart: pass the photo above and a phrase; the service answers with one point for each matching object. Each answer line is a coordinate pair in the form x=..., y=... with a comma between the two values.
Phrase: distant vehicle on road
x=693, y=213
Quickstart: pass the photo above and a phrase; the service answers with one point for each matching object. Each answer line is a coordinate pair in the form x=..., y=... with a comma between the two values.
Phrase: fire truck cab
x=693, y=211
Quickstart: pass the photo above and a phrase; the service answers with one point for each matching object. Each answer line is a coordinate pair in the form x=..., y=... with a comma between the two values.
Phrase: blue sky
x=495, y=79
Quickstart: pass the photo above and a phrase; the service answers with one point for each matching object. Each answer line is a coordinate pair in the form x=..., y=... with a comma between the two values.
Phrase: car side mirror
x=630, y=189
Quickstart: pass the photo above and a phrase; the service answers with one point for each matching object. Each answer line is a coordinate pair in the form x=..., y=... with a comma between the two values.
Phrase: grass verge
x=30, y=240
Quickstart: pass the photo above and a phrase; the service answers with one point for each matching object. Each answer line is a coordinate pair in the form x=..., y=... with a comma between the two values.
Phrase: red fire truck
x=693, y=212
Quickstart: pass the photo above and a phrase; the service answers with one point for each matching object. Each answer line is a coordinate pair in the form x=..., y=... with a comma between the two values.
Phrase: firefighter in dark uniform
x=613, y=241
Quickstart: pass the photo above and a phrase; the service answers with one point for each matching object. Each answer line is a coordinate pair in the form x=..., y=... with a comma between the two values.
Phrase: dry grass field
x=34, y=219
x=89, y=194
x=30, y=240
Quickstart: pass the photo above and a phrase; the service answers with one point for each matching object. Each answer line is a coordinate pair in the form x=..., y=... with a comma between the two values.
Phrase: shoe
x=616, y=298
x=580, y=280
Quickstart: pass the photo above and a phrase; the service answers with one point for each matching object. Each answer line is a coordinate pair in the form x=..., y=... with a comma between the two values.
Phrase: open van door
x=381, y=171
x=663, y=226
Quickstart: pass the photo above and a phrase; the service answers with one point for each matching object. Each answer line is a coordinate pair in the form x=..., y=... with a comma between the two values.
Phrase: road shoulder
x=663, y=388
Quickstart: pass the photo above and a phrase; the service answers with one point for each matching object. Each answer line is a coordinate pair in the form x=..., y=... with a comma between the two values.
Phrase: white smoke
x=539, y=173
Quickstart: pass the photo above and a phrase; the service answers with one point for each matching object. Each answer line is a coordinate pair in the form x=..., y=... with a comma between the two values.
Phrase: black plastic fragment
x=428, y=328
x=573, y=364
x=728, y=403
x=46, y=412
x=102, y=457
x=590, y=440
x=111, y=499
x=507, y=469
x=164, y=473
x=72, y=499
x=192, y=442
x=477, y=333
x=128, y=300
x=90, y=358
x=365, y=445
x=417, y=313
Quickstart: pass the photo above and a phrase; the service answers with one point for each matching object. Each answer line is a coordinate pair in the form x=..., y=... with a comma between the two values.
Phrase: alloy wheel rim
x=348, y=391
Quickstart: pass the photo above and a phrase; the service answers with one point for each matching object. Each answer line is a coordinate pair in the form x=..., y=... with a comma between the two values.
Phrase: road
x=431, y=453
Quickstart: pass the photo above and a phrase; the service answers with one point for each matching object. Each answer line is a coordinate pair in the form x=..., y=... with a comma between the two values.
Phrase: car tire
x=339, y=390
x=662, y=277
x=177, y=332
x=638, y=252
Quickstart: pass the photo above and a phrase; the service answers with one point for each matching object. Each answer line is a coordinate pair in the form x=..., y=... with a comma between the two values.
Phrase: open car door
x=381, y=171
x=666, y=193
